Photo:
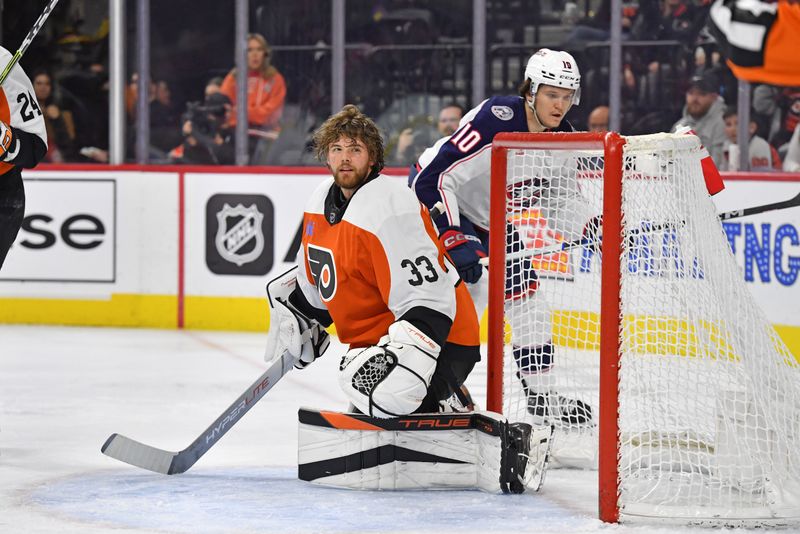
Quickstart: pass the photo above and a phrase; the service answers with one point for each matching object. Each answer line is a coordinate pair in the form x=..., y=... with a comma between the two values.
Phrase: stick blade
x=136, y=453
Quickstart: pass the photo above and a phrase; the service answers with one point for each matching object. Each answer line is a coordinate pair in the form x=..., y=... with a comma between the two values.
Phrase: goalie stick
x=585, y=241
x=28, y=40
x=136, y=453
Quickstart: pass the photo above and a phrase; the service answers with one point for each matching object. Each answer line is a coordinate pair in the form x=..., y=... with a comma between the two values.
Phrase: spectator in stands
x=780, y=106
x=266, y=88
x=214, y=85
x=402, y=150
x=676, y=20
x=58, y=123
x=598, y=119
x=791, y=163
x=164, y=122
x=596, y=27
x=207, y=138
x=132, y=95
x=449, y=117
x=763, y=156
x=418, y=135
x=703, y=114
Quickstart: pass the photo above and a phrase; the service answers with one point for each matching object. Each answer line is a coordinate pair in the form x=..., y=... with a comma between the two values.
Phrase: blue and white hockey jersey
x=457, y=171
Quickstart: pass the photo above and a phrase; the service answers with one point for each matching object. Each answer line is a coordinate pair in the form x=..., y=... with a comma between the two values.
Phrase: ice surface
x=63, y=391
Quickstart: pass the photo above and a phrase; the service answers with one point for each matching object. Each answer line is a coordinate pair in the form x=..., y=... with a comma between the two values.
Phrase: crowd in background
x=408, y=65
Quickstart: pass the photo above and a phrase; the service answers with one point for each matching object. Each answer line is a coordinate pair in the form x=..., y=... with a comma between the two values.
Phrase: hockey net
x=662, y=370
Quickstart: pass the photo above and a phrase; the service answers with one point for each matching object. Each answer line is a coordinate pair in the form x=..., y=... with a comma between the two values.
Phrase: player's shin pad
x=428, y=451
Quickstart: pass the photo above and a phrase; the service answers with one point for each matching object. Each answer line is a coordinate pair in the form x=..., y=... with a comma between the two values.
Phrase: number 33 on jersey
x=378, y=261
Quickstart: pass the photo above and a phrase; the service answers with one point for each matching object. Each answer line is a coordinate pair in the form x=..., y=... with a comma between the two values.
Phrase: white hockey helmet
x=556, y=68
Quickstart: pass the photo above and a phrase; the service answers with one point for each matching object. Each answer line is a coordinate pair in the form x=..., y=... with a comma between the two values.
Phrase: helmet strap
x=532, y=104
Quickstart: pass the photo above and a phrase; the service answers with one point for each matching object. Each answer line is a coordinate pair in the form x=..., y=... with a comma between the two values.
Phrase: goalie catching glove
x=391, y=378
x=290, y=330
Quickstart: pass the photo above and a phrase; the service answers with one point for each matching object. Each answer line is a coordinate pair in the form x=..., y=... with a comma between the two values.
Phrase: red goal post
x=644, y=329
x=611, y=145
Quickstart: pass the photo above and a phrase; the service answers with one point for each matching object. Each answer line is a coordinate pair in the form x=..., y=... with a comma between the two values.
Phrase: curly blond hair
x=352, y=124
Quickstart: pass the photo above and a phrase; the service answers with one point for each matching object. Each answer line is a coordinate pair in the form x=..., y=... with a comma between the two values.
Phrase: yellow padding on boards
x=579, y=330
x=150, y=311
x=229, y=313
x=226, y=313
x=658, y=335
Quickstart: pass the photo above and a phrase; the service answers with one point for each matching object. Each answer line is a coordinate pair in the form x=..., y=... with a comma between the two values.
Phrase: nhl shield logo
x=239, y=236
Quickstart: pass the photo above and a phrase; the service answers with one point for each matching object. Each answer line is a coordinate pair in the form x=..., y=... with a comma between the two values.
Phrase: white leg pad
x=429, y=451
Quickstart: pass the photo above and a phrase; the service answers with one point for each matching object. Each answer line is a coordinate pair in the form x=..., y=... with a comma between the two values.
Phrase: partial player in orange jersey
x=371, y=264
x=23, y=144
x=759, y=39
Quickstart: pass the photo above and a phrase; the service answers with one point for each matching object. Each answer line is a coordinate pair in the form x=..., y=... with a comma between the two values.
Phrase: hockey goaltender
x=371, y=265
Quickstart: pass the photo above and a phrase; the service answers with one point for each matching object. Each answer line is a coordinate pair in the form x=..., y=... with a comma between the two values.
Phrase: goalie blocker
x=427, y=451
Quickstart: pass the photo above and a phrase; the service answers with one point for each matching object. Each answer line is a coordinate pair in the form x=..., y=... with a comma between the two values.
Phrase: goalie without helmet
x=371, y=264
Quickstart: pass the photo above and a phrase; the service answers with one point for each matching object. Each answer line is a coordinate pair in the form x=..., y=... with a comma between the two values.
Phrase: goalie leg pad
x=525, y=457
x=431, y=451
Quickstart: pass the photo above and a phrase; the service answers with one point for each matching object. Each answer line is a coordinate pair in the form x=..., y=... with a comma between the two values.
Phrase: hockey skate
x=547, y=408
x=528, y=455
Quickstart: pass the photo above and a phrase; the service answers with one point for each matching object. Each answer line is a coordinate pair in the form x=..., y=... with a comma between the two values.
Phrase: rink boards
x=193, y=247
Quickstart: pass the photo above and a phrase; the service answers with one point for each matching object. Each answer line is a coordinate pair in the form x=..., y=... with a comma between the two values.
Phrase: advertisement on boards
x=242, y=230
x=68, y=233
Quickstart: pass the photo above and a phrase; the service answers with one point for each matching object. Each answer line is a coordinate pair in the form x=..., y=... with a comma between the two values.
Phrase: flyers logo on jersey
x=323, y=269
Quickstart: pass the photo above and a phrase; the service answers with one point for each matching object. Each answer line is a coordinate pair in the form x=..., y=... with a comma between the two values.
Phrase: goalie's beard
x=356, y=178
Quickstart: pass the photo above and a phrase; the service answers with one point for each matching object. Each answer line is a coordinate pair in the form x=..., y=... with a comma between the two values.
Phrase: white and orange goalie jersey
x=375, y=259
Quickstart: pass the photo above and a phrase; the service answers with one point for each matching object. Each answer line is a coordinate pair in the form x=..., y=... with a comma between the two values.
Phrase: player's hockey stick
x=586, y=241
x=754, y=210
x=28, y=40
x=169, y=463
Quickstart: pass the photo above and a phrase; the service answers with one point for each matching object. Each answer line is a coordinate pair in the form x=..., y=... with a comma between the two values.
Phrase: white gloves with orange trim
x=6, y=139
x=290, y=331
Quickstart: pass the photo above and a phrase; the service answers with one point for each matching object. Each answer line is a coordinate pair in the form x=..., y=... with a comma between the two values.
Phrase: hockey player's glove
x=290, y=331
x=6, y=139
x=465, y=250
x=593, y=233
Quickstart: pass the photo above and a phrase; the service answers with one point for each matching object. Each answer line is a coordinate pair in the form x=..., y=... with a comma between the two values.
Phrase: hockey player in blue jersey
x=456, y=171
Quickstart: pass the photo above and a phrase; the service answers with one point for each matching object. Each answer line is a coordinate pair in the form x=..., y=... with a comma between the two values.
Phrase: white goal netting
x=709, y=396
